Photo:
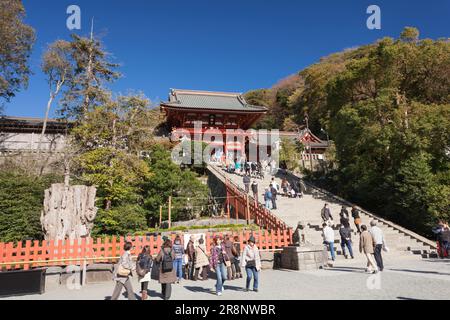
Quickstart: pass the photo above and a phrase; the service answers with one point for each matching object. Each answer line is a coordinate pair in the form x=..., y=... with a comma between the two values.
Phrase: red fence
x=245, y=207
x=28, y=254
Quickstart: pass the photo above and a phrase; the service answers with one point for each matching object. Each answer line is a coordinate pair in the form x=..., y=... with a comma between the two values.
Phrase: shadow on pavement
x=346, y=269
x=233, y=288
x=422, y=271
x=199, y=289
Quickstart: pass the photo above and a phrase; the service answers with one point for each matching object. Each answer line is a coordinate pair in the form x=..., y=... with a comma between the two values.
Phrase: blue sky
x=217, y=45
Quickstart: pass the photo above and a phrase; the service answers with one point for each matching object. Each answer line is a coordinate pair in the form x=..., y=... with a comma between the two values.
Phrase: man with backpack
x=167, y=275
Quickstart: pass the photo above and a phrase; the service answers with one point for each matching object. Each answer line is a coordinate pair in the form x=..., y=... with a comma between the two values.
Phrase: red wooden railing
x=30, y=254
x=245, y=207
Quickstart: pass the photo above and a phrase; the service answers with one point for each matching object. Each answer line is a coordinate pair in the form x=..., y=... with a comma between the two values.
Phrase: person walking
x=201, y=260
x=326, y=215
x=247, y=168
x=328, y=238
x=231, y=271
x=366, y=247
x=237, y=167
x=446, y=240
x=274, y=192
x=219, y=262
x=346, y=240
x=356, y=218
x=378, y=243
x=246, y=180
x=268, y=198
x=143, y=268
x=123, y=273
x=178, y=262
x=167, y=273
x=251, y=261
x=237, y=257
x=190, y=251
x=275, y=184
x=344, y=221
x=255, y=190
x=254, y=167
x=285, y=186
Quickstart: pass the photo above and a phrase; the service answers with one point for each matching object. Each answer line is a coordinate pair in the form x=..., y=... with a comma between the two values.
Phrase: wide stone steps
x=308, y=208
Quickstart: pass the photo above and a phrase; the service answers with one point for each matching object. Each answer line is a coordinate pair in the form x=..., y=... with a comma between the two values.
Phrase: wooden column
x=170, y=212
x=236, y=208
x=248, y=210
x=228, y=207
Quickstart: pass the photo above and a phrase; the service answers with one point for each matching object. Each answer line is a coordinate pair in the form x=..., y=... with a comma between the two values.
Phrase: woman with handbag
x=167, y=272
x=251, y=261
x=201, y=261
x=219, y=261
x=122, y=274
x=143, y=268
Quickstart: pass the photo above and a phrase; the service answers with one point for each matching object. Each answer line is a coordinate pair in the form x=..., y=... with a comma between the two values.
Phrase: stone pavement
x=405, y=278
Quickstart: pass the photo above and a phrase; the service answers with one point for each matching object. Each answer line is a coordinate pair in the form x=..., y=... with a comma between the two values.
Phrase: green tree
x=290, y=153
x=16, y=40
x=21, y=202
x=189, y=194
x=93, y=70
x=111, y=139
x=120, y=221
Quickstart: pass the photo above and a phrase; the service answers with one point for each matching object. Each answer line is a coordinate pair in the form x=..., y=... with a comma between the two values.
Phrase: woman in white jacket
x=251, y=261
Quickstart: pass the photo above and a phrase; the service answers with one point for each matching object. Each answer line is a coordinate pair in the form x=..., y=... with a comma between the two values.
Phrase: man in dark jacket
x=246, y=180
x=326, y=215
x=346, y=240
x=274, y=191
x=190, y=251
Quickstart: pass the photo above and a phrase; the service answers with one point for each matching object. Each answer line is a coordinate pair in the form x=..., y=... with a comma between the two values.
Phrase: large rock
x=69, y=212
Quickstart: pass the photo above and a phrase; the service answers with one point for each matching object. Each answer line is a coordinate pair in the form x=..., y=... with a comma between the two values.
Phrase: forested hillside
x=387, y=107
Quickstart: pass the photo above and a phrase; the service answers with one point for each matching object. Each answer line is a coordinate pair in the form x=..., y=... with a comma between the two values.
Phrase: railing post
x=83, y=276
x=248, y=210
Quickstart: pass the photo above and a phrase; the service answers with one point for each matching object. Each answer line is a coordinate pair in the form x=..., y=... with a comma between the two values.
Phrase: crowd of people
x=371, y=241
x=175, y=262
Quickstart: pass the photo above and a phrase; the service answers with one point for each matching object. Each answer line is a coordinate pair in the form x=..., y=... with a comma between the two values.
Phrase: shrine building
x=220, y=111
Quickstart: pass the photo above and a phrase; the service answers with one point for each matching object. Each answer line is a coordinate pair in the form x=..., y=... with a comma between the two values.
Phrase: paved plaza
x=405, y=278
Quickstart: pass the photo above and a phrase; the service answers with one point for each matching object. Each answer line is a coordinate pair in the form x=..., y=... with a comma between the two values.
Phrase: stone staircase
x=399, y=240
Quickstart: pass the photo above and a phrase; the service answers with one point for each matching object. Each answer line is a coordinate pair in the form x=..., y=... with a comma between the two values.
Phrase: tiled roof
x=210, y=100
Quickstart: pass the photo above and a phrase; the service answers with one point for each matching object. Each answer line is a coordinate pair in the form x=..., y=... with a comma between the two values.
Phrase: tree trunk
x=69, y=212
